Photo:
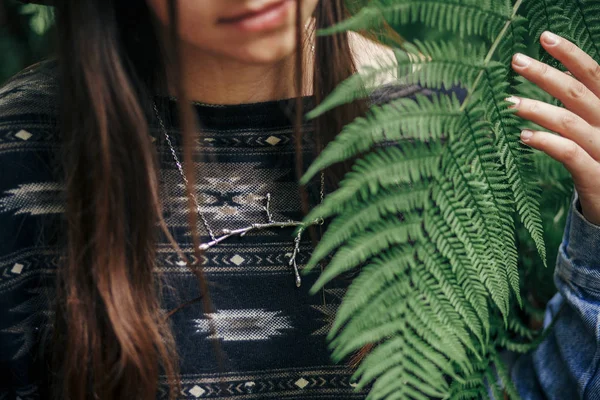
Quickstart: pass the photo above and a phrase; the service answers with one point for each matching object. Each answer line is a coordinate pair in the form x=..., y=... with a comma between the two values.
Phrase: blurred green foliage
x=25, y=36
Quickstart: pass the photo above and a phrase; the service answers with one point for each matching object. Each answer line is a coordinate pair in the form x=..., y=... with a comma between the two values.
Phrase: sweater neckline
x=273, y=114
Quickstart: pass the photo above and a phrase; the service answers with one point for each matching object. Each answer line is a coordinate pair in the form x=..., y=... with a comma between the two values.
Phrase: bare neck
x=216, y=80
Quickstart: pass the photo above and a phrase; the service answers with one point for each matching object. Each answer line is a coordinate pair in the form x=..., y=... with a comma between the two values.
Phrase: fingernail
x=526, y=135
x=515, y=100
x=521, y=60
x=550, y=38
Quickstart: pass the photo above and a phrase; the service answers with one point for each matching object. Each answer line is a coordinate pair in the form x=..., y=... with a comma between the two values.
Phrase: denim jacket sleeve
x=566, y=365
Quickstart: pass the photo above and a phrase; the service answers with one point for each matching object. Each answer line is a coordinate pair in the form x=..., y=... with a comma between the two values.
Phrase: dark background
x=25, y=36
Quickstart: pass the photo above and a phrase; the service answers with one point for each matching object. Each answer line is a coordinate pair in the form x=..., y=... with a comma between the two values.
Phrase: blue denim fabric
x=565, y=366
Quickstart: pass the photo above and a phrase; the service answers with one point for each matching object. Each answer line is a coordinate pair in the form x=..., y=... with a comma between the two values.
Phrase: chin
x=266, y=51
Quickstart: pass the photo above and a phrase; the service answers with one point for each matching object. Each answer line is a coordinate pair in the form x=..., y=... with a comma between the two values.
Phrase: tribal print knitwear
x=272, y=334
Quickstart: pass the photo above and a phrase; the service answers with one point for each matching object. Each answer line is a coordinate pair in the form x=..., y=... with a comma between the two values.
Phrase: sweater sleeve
x=28, y=202
x=565, y=365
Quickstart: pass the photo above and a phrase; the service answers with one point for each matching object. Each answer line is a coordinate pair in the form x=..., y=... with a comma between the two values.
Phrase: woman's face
x=249, y=31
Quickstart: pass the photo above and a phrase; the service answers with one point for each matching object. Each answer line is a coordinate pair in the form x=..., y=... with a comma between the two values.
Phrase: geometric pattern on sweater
x=271, y=333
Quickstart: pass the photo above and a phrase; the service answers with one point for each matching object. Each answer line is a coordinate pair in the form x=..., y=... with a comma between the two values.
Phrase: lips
x=271, y=15
x=251, y=12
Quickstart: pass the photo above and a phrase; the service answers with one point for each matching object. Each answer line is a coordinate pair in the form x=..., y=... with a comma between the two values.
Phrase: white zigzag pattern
x=34, y=199
x=243, y=324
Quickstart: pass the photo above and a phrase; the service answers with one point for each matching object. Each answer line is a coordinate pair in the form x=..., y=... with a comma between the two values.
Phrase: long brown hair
x=111, y=339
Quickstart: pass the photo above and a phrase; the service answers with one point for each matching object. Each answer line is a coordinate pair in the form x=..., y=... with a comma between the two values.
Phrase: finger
x=559, y=120
x=581, y=65
x=583, y=168
x=572, y=93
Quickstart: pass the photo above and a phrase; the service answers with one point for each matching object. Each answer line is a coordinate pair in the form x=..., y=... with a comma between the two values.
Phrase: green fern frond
x=403, y=199
x=475, y=247
x=485, y=18
x=515, y=157
x=442, y=64
x=369, y=243
x=396, y=381
x=385, y=168
x=382, y=272
x=474, y=314
x=473, y=387
x=515, y=40
x=555, y=179
x=403, y=119
x=357, y=86
x=517, y=326
x=482, y=211
x=392, y=351
x=492, y=383
x=460, y=264
x=487, y=166
x=439, y=303
x=547, y=15
x=431, y=218
x=375, y=334
x=504, y=376
x=470, y=394
x=518, y=347
x=388, y=305
x=526, y=196
x=428, y=64
x=584, y=24
x=427, y=324
x=411, y=364
x=409, y=196
x=404, y=309
x=490, y=197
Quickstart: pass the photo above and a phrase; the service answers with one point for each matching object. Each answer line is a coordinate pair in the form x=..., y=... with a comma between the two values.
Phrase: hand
x=578, y=146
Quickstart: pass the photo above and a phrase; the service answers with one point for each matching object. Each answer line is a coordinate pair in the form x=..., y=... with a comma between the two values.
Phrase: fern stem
x=491, y=52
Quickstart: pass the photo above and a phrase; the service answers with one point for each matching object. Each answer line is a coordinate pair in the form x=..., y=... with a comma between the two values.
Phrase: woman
x=119, y=331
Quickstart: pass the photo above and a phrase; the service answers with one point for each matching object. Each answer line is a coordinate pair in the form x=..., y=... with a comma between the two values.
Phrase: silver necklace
x=227, y=233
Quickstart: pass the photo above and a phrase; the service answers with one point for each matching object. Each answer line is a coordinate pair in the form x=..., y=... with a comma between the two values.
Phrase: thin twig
x=294, y=254
x=227, y=233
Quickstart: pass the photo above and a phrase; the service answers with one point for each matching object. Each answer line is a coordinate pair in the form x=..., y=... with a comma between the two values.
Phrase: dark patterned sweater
x=272, y=334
